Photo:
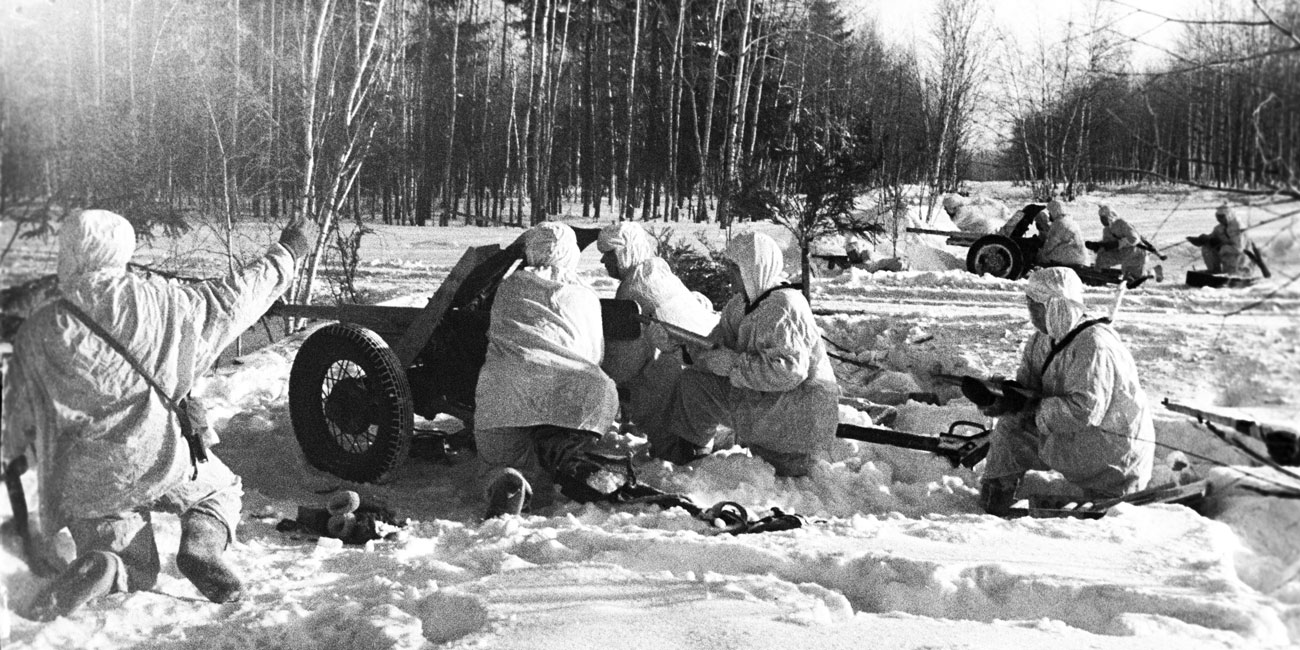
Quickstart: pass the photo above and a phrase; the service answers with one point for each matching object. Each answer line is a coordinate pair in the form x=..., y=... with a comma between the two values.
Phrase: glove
x=716, y=361
x=1092, y=245
x=1009, y=404
x=299, y=237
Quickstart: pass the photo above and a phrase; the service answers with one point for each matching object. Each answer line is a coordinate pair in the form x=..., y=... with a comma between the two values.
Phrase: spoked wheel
x=996, y=255
x=350, y=403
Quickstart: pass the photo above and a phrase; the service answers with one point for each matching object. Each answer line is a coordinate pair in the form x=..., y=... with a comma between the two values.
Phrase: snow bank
x=896, y=552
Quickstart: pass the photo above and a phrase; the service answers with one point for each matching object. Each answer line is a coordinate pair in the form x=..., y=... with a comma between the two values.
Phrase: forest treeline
x=508, y=112
x=1222, y=109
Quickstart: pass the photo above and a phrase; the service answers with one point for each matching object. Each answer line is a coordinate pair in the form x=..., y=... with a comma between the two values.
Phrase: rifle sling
x=198, y=454
x=1068, y=339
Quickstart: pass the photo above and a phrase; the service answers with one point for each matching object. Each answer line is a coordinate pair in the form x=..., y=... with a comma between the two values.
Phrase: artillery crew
x=94, y=391
x=1063, y=244
x=647, y=369
x=542, y=398
x=1121, y=246
x=1227, y=249
x=1091, y=421
x=767, y=383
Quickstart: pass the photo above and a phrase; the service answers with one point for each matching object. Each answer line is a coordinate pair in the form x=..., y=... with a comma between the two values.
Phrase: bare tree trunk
x=552, y=99
x=629, y=190
x=675, y=112
x=735, y=116
x=448, y=194
x=323, y=196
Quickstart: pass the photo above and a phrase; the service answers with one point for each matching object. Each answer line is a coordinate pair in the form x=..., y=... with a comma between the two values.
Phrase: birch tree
x=346, y=70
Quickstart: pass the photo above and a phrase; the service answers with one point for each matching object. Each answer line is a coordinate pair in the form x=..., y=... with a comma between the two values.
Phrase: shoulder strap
x=784, y=285
x=119, y=348
x=1069, y=338
x=174, y=406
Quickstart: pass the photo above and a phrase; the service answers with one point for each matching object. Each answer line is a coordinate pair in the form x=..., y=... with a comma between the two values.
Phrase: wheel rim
x=995, y=260
x=347, y=407
x=350, y=403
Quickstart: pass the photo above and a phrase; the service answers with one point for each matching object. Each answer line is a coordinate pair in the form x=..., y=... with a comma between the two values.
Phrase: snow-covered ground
x=898, y=555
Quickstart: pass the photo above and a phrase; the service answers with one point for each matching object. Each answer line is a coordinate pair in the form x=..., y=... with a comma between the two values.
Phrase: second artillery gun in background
x=1014, y=254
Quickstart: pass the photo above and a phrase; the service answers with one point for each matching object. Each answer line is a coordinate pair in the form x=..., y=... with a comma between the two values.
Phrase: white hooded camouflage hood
x=762, y=266
x=94, y=245
x=631, y=244
x=552, y=251
x=1061, y=291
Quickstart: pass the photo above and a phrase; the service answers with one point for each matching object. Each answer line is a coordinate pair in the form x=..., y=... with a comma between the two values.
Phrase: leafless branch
x=1200, y=66
x=1188, y=21
x=1287, y=31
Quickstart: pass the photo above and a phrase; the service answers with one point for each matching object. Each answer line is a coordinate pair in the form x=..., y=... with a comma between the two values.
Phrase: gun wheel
x=350, y=403
x=996, y=255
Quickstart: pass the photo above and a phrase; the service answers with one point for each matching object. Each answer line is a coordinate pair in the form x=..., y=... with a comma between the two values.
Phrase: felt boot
x=95, y=574
x=508, y=494
x=203, y=540
x=678, y=451
x=998, y=495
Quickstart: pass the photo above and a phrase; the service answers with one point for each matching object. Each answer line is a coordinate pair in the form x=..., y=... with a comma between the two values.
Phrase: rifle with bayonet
x=1283, y=443
x=960, y=450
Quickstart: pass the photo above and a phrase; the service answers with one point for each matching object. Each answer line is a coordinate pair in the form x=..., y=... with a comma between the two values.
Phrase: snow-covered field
x=898, y=556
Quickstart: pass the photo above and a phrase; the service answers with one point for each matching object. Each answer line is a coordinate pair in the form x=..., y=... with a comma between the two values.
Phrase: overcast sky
x=908, y=21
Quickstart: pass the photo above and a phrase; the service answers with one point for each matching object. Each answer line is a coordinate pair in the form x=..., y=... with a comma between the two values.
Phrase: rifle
x=1283, y=444
x=960, y=450
x=1143, y=244
x=680, y=333
x=1011, y=394
x=1146, y=245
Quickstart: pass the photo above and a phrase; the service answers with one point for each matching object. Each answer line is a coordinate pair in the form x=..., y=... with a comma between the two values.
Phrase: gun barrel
x=934, y=231
x=955, y=237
